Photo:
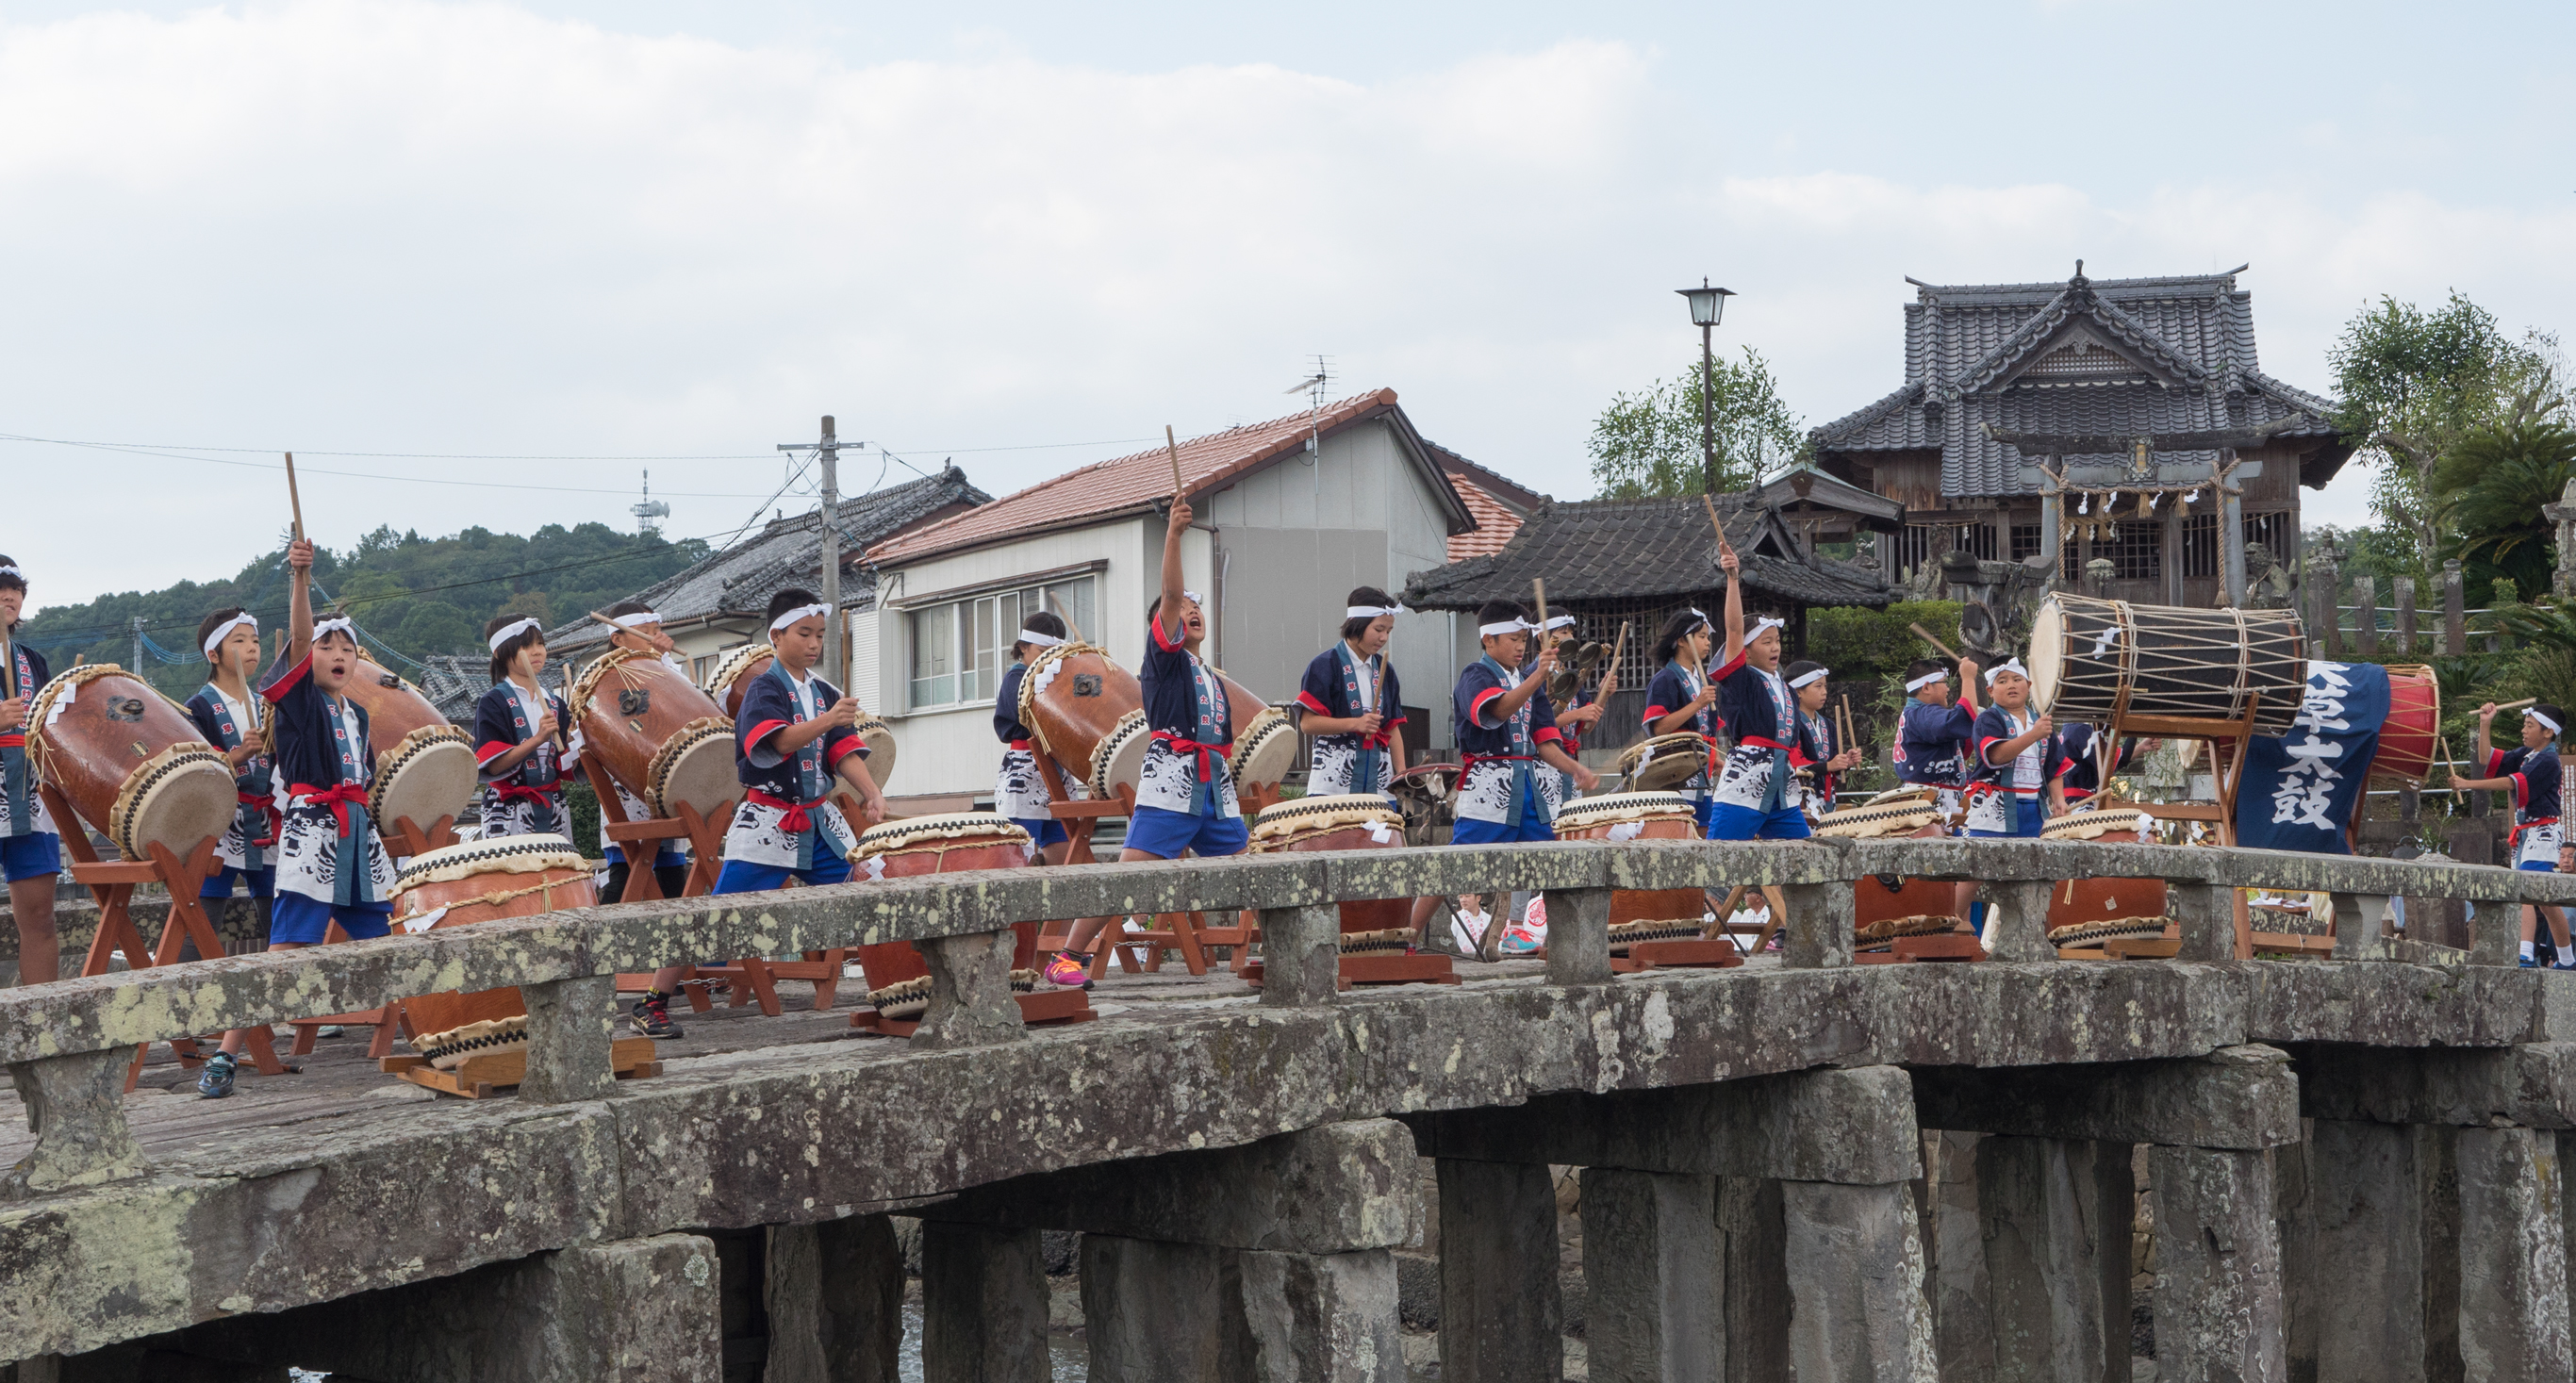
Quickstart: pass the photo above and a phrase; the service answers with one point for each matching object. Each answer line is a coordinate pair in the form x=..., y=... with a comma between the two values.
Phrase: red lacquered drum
x=898, y=978
x=1344, y=821
x=2087, y=902
x=660, y=737
x=129, y=761
x=1896, y=814
x=425, y=767
x=482, y=881
x=732, y=677
x=1637, y=914
x=1088, y=714
x=2409, y=741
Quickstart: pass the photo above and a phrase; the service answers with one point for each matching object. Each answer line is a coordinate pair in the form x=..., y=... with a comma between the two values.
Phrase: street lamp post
x=1707, y=306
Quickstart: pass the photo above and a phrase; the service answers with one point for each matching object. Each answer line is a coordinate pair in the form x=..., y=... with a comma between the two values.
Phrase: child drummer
x=31, y=854
x=1506, y=730
x=1185, y=800
x=331, y=865
x=1583, y=709
x=1752, y=800
x=1351, y=703
x=2017, y=773
x=792, y=738
x=232, y=718
x=520, y=737
x=2530, y=772
x=636, y=627
x=1019, y=789
x=1681, y=700
x=1820, y=747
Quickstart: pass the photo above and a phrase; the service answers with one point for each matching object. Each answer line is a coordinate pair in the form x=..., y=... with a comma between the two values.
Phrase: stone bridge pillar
x=1753, y=1230
x=2440, y=1176
x=1268, y=1262
x=2053, y=1205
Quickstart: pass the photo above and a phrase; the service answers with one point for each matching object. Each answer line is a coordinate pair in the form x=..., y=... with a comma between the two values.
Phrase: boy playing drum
x=2530, y=772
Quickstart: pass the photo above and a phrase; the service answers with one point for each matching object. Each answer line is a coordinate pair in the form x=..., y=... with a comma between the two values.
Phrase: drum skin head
x=436, y=782
x=1127, y=759
x=1270, y=753
x=703, y=777
x=1664, y=761
x=2047, y=655
x=881, y=751
x=192, y=801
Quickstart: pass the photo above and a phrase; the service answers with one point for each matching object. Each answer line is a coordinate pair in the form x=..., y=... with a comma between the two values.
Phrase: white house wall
x=1302, y=535
x=952, y=750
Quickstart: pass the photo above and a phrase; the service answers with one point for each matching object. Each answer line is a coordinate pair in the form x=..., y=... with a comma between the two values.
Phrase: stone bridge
x=2355, y=1163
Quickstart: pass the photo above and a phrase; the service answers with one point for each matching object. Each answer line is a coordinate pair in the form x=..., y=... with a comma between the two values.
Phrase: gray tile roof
x=2170, y=355
x=1643, y=549
x=739, y=580
x=454, y=682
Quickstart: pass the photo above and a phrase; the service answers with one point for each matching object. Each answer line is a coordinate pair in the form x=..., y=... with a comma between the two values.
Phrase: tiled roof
x=1519, y=498
x=1141, y=482
x=1642, y=549
x=739, y=580
x=2176, y=355
x=1495, y=524
x=454, y=682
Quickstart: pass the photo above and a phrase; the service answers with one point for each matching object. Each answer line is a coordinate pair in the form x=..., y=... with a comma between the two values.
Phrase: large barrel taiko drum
x=1640, y=914
x=2410, y=739
x=482, y=881
x=732, y=678
x=129, y=761
x=1884, y=899
x=898, y=979
x=2094, y=902
x=1087, y=713
x=656, y=733
x=425, y=767
x=2100, y=661
x=1344, y=821
x=1265, y=739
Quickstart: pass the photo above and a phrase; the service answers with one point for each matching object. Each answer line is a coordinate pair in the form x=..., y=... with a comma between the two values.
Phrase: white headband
x=2531, y=714
x=1509, y=626
x=511, y=631
x=1816, y=676
x=1761, y=623
x=1560, y=622
x=12, y=571
x=2011, y=665
x=1041, y=640
x=1926, y=680
x=1372, y=611
x=342, y=623
x=1192, y=596
x=800, y=612
x=216, y=638
x=1702, y=614
x=639, y=618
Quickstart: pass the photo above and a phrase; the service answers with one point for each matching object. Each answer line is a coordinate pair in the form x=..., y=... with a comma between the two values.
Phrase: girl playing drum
x=520, y=732
x=1350, y=702
x=1681, y=700
x=1020, y=792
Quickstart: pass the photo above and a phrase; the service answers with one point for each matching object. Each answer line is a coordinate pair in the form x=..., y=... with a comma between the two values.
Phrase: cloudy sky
x=513, y=248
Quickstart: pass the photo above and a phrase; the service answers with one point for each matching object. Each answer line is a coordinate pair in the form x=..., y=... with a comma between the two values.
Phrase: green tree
x=2413, y=384
x=2491, y=485
x=1648, y=444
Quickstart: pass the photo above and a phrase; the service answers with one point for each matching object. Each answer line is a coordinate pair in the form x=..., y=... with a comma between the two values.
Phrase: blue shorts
x=1164, y=833
x=30, y=856
x=263, y=882
x=742, y=876
x=2534, y=866
x=1535, y=824
x=1045, y=830
x=671, y=855
x=2028, y=817
x=1727, y=821
x=301, y=921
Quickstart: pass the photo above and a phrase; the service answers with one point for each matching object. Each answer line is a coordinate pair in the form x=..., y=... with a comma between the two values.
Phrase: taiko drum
x=947, y=844
x=1088, y=714
x=1345, y=821
x=485, y=881
x=731, y=680
x=660, y=737
x=1623, y=816
x=128, y=761
x=2410, y=739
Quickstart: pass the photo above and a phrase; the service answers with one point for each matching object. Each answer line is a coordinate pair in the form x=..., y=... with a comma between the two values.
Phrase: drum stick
x=1618, y=648
x=1172, y=448
x=1842, y=716
x=1711, y=506
x=1072, y=634
x=1538, y=588
x=2517, y=705
x=1926, y=636
x=294, y=500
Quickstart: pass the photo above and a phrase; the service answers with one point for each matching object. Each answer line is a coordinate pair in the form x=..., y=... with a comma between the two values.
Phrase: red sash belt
x=1206, y=753
x=520, y=792
x=1021, y=745
x=13, y=740
x=268, y=808
x=337, y=799
x=2511, y=840
x=798, y=818
x=1760, y=743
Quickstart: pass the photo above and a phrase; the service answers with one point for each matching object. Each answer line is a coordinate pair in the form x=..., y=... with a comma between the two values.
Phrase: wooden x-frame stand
x=112, y=883
x=750, y=979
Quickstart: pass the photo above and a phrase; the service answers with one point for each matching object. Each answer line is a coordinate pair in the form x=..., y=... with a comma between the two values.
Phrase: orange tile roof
x=1126, y=484
x=1495, y=524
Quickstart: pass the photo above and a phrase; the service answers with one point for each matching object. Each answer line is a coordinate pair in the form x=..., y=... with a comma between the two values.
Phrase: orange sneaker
x=1069, y=970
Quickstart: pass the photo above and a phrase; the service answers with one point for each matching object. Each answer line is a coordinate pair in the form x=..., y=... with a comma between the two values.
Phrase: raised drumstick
x=1926, y=636
x=293, y=499
x=1172, y=449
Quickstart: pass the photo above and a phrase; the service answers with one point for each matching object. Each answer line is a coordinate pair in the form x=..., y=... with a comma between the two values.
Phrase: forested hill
x=412, y=596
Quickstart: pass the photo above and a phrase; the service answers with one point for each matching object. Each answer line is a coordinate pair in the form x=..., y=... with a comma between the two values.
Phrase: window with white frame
x=960, y=649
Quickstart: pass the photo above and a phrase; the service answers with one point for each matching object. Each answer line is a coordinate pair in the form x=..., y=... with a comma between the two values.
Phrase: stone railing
x=67, y=1044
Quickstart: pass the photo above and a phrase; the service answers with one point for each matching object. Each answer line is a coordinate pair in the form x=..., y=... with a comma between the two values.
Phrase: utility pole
x=829, y=449
x=136, y=667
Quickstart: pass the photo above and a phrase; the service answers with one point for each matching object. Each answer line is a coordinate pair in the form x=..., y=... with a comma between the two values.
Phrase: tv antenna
x=651, y=509
x=1313, y=387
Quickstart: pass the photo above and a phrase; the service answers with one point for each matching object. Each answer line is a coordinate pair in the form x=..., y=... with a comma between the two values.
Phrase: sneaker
x=329, y=1030
x=1069, y=970
x=1519, y=940
x=652, y=1017
x=216, y=1081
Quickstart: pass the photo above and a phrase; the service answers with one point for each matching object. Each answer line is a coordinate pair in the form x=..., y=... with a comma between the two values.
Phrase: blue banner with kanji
x=2301, y=788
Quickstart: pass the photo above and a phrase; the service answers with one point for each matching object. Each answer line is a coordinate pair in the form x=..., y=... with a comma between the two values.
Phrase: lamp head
x=1707, y=304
